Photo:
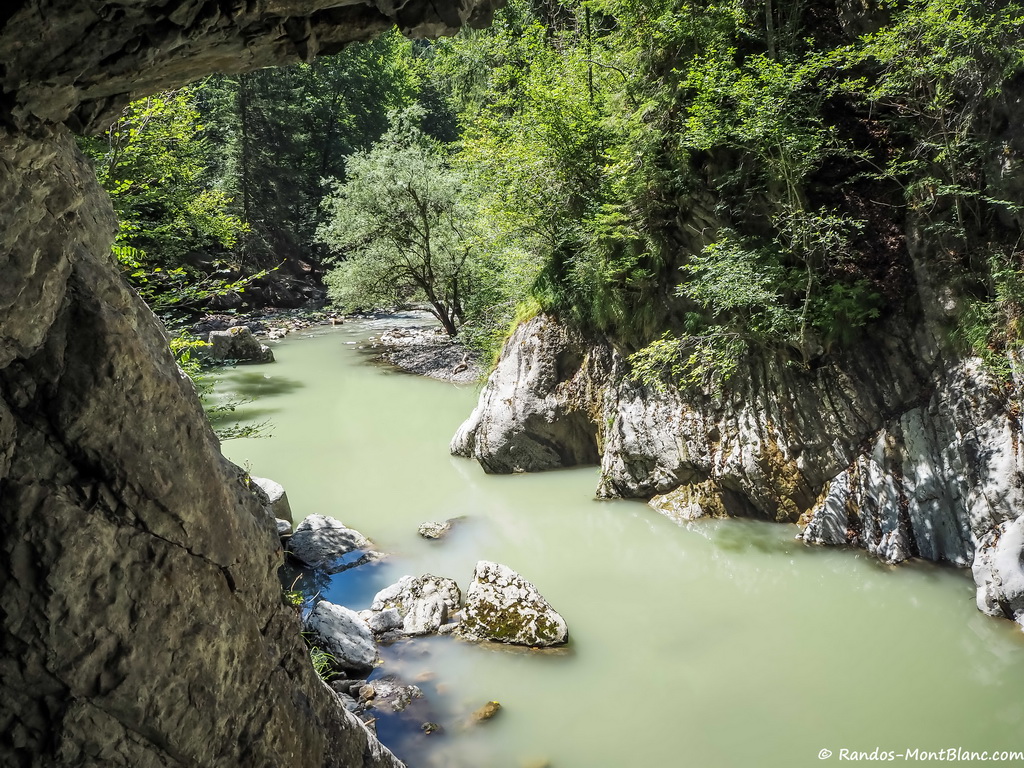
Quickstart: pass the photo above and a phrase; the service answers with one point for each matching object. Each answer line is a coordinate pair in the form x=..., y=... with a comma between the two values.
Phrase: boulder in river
x=501, y=605
x=536, y=411
x=209, y=323
x=328, y=544
x=423, y=602
x=237, y=344
x=384, y=621
x=340, y=632
x=486, y=712
x=277, y=499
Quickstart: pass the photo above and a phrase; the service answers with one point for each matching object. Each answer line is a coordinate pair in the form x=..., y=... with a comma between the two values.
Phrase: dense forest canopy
x=693, y=180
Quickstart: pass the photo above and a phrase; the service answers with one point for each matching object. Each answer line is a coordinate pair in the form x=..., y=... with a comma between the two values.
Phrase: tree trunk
x=441, y=312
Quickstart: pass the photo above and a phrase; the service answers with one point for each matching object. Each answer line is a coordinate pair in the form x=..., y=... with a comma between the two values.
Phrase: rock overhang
x=79, y=62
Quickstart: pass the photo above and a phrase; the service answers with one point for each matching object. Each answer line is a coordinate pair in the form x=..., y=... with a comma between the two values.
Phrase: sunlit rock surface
x=343, y=633
x=503, y=606
x=539, y=406
x=330, y=545
x=423, y=602
x=895, y=446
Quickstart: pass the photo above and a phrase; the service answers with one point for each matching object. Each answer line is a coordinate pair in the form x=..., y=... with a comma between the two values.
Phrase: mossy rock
x=503, y=606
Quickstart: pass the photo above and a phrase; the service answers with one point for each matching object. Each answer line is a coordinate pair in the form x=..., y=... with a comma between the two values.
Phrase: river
x=722, y=644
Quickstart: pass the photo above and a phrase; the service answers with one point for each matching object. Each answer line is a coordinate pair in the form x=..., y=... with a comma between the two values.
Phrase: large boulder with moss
x=503, y=606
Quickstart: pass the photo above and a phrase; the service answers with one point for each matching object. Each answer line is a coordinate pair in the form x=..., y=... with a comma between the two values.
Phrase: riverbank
x=412, y=341
x=426, y=350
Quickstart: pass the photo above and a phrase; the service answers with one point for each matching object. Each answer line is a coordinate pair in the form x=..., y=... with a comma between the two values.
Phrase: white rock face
x=895, y=445
x=325, y=543
x=423, y=602
x=382, y=621
x=999, y=571
x=277, y=498
x=535, y=412
x=343, y=634
x=501, y=605
x=933, y=483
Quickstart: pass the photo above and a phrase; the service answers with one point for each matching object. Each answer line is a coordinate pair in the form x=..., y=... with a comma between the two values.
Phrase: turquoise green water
x=722, y=644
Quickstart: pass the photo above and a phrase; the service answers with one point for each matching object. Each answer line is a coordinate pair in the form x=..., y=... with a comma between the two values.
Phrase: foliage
x=323, y=663
x=186, y=349
x=154, y=163
x=401, y=222
x=283, y=131
x=698, y=182
x=596, y=135
x=939, y=74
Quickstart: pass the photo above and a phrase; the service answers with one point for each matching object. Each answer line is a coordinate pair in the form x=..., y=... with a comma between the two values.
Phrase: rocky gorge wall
x=898, y=446
x=143, y=622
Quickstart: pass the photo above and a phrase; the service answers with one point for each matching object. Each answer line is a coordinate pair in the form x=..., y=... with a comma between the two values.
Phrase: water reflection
x=259, y=384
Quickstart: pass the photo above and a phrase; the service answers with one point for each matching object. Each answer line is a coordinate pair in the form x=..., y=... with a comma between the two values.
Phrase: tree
x=282, y=131
x=401, y=223
x=154, y=161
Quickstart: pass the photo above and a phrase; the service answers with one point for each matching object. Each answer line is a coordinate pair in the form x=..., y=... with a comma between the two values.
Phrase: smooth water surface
x=721, y=644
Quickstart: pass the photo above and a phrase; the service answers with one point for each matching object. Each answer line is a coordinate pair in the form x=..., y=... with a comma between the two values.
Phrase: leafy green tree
x=402, y=225
x=154, y=161
x=283, y=131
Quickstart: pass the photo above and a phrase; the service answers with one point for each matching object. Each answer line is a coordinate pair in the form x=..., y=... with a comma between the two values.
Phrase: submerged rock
x=435, y=530
x=342, y=633
x=390, y=695
x=691, y=502
x=503, y=606
x=328, y=544
x=486, y=712
x=238, y=344
x=423, y=602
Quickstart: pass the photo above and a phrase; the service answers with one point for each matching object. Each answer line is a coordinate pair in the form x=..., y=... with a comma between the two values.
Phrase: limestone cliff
x=142, y=619
x=898, y=446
